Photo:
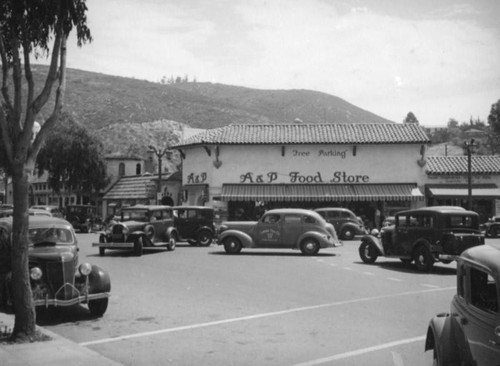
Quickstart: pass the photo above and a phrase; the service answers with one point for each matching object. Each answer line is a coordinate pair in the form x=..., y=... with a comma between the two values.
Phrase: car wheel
x=423, y=258
x=406, y=261
x=98, y=307
x=232, y=245
x=204, y=238
x=494, y=231
x=309, y=246
x=347, y=234
x=138, y=246
x=368, y=253
x=171, y=243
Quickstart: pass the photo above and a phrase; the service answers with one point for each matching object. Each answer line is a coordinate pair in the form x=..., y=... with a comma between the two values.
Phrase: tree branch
x=18, y=92
x=5, y=76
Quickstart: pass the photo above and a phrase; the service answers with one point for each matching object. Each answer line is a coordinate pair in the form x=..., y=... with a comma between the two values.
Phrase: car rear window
x=461, y=222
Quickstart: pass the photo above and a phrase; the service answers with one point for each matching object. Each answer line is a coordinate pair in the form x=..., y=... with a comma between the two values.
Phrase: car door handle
x=494, y=343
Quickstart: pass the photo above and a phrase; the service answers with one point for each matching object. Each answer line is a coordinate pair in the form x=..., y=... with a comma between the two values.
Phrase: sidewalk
x=58, y=351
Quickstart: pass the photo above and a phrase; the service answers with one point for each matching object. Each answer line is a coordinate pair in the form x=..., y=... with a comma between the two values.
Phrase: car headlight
x=36, y=273
x=85, y=269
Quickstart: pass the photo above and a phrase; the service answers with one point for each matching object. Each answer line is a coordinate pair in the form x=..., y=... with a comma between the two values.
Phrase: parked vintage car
x=345, y=222
x=82, y=217
x=140, y=227
x=285, y=228
x=470, y=333
x=425, y=236
x=56, y=277
x=31, y=212
x=195, y=224
x=491, y=227
x=54, y=210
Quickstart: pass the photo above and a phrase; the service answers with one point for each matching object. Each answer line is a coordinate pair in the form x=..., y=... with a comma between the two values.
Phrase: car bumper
x=126, y=245
x=331, y=243
x=448, y=257
x=82, y=299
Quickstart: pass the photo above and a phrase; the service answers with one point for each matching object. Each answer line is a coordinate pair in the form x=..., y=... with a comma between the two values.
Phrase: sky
x=437, y=59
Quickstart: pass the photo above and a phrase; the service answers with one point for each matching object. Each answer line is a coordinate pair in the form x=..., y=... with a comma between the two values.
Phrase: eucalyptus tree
x=29, y=30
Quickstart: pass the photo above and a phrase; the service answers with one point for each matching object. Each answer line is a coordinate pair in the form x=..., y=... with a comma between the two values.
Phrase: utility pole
x=159, y=152
x=468, y=149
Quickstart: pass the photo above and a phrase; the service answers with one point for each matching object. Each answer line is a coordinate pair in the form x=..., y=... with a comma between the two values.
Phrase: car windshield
x=136, y=215
x=50, y=234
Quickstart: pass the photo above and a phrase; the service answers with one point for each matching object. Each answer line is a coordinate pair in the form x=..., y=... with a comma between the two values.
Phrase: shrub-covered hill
x=114, y=106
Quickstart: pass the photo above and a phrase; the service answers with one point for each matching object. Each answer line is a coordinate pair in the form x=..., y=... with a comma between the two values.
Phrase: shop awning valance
x=320, y=192
x=461, y=191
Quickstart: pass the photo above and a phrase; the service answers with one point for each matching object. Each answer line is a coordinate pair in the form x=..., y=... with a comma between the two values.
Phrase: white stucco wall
x=333, y=164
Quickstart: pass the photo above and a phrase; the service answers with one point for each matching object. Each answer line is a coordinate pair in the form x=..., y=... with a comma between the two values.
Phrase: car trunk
x=455, y=244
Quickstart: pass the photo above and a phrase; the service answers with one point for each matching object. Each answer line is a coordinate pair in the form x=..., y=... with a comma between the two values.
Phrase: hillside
x=97, y=100
x=121, y=110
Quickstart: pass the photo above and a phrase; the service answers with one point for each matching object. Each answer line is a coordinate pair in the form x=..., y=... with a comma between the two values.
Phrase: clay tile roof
x=480, y=164
x=299, y=133
x=136, y=187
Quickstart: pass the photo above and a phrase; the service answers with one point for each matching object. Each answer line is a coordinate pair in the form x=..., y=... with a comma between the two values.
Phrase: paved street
x=197, y=305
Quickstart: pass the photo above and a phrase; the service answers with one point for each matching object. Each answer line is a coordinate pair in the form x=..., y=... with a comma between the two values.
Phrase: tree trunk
x=24, y=326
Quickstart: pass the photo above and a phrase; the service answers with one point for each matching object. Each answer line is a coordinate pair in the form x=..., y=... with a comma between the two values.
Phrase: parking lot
x=198, y=305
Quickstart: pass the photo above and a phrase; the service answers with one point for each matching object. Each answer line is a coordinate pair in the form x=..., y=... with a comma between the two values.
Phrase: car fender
x=99, y=280
x=245, y=239
x=321, y=238
x=172, y=233
x=349, y=226
x=376, y=242
x=439, y=333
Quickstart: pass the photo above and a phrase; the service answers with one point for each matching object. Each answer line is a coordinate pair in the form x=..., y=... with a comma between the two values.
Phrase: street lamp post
x=468, y=148
x=159, y=152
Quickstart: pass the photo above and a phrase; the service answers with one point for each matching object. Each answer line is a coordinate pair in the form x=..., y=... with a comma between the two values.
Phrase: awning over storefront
x=463, y=191
x=320, y=192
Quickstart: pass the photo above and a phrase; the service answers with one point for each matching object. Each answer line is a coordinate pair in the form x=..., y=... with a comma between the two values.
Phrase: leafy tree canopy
x=73, y=158
x=494, y=117
x=410, y=118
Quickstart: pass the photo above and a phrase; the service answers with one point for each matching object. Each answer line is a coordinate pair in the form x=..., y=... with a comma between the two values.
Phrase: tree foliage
x=410, y=118
x=74, y=160
x=494, y=117
x=31, y=28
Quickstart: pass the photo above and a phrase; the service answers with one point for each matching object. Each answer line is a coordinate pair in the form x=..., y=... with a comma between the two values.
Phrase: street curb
x=58, y=351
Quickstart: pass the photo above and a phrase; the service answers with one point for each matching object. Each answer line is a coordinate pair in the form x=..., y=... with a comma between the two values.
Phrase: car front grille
x=117, y=229
x=57, y=281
